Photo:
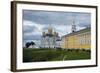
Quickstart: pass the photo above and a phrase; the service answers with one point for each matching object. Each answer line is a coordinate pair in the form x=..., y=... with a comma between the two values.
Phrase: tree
x=32, y=43
x=27, y=44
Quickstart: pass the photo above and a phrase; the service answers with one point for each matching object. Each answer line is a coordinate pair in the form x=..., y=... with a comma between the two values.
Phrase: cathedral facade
x=50, y=39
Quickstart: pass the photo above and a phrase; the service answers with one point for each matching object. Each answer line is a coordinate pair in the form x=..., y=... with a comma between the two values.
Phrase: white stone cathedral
x=50, y=39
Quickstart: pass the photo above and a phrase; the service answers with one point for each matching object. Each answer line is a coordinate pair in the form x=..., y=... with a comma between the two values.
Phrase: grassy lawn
x=39, y=55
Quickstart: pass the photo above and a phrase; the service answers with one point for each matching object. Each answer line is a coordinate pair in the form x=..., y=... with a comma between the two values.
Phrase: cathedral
x=50, y=39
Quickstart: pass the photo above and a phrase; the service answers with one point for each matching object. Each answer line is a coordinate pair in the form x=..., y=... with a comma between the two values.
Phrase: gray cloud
x=37, y=21
x=59, y=18
x=29, y=29
x=31, y=37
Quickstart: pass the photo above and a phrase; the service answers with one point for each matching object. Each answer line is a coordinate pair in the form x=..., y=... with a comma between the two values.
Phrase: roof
x=78, y=32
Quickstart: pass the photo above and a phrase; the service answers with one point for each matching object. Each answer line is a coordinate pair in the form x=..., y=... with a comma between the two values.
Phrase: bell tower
x=73, y=26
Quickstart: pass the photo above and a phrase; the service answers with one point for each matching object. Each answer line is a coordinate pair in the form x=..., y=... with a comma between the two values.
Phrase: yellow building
x=77, y=40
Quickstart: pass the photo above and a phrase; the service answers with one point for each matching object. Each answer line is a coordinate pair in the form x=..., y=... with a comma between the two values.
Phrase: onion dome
x=50, y=29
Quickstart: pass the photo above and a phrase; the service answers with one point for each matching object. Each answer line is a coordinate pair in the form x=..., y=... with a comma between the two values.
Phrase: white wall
x=5, y=37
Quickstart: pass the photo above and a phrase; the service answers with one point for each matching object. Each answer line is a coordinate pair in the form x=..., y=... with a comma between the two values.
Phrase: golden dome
x=50, y=29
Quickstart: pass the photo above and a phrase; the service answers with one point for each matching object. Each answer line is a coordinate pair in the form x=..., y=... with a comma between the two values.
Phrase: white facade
x=50, y=39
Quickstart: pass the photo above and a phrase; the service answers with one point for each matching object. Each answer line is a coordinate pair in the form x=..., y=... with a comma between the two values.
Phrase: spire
x=73, y=29
x=73, y=26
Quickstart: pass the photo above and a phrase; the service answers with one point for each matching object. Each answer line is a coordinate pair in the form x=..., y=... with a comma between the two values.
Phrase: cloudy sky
x=34, y=22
